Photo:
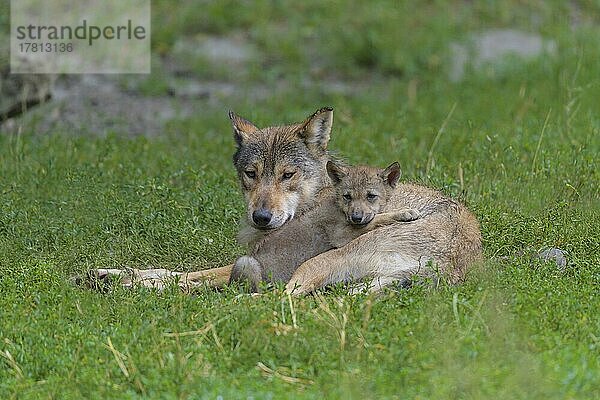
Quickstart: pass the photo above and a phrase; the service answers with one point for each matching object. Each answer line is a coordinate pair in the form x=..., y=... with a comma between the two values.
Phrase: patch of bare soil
x=100, y=104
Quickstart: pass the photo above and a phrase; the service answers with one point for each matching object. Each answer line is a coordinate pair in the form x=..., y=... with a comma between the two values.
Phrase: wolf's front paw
x=292, y=288
x=407, y=215
x=102, y=279
x=298, y=287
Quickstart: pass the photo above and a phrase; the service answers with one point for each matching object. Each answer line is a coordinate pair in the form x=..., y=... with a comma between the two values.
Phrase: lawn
x=518, y=143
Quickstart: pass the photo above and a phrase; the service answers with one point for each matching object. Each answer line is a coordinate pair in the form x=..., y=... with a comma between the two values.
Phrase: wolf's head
x=281, y=168
x=362, y=191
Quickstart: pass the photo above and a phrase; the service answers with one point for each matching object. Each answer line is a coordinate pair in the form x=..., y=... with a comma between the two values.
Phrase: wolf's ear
x=316, y=129
x=391, y=174
x=241, y=128
x=336, y=172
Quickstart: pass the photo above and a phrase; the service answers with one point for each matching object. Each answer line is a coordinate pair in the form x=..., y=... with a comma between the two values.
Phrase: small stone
x=20, y=92
x=555, y=254
x=489, y=48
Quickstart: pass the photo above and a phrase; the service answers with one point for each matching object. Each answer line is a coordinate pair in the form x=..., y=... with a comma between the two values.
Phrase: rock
x=20, y=92
x=191, y=88
x=553, y=254
x=490, y=48
x=233, y=53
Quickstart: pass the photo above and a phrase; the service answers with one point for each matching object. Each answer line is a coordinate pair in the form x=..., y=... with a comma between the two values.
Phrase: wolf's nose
x=356, y=217
x=262, y=217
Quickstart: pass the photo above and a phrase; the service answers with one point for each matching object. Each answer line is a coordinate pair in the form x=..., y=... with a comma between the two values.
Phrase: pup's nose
x=356, y=217
x=262, y=217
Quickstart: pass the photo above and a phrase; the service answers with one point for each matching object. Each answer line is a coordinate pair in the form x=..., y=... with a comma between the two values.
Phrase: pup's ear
x=317, y=128
x=241, y=128
x=336, y=172
x=391, y=174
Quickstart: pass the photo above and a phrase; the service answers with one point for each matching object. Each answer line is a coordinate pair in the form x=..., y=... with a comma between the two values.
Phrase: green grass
x=526, y=143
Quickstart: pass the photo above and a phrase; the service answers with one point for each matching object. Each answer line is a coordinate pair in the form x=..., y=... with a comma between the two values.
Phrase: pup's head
x=281, y=168
x=362, y=191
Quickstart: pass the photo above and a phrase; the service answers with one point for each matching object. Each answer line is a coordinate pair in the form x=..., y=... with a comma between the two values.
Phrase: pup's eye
x=371, y=196
x=250, y=174
x=347, y=197
x=287, y=175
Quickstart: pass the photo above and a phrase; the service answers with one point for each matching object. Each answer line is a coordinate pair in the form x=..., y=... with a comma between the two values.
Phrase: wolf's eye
x=250, y=174
x=347, y=197
x=287, y=175
x=371, y=196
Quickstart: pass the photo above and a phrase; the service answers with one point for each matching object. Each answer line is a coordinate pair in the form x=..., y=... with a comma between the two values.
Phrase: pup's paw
x=407, y=215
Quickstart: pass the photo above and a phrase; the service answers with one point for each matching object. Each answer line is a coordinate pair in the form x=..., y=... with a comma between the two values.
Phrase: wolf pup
x=351, y=209
x=444, y=241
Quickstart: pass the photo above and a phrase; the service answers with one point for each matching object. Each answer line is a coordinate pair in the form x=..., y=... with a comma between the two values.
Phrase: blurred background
x=209, y=56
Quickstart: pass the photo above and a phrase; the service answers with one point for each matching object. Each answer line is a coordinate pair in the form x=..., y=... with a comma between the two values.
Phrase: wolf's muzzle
x=262, y=217
x=356, y=217
x=359, y=218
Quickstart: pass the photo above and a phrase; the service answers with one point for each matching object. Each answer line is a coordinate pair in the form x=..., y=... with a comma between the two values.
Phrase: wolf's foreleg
x=158, y=278
x=214, y=277
x=373, y=255
x=388, y=218
x=247, y=269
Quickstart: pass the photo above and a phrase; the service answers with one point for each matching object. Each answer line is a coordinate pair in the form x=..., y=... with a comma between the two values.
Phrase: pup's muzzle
x=360, y=218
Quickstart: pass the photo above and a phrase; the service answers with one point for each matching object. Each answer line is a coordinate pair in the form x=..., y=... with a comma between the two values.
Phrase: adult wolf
x=282, y=171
